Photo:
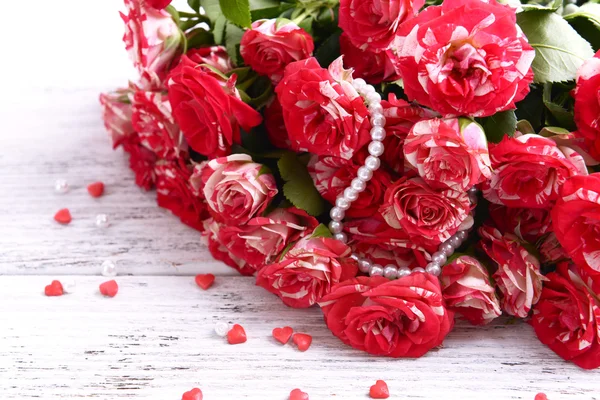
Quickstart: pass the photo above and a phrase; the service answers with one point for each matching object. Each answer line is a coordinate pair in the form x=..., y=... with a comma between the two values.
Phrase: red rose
x=467, y=290
x=372, y=24
x=152, y=39
x=576, y=221
x=332, y=175
x=428, y=216
x=528, y=171
x=116, y=114
x=323, y=112
x=587, y=106
x=275, y=125
x=262, y=239
x=159, y=4
x=448, y=153
x=214, y=56
x=173, y=192
x=308, y=271
x=271, y=44
x=465, y=57
x=518, y=275
x=208, y=109
x=400, y=116
x=152, y=119
x=141, y=162
x=220, y=252
x=234, y=188
x=400, y=318
x=567, y=317
x=528, y=224
x=372, y=67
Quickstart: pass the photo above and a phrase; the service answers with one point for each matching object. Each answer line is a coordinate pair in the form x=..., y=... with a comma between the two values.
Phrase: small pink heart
x=298, y=394
x=379, y=390
x=302, y=340
x=194, y=394
x=205, y=280
x=236, y=335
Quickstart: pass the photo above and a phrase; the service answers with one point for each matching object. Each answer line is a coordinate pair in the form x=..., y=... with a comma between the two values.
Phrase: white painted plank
x=155, y=340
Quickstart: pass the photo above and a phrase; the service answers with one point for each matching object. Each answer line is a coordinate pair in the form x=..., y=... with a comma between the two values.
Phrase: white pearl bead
x=417, y=270
x=403, y=271
x=372, y=163
x=355, y=257
x=378, y=120
x=102, y=221
x=358, y=184
x=390, y=272
x=341, y=237
x=368, y=90
x=377, y=133
x=473, y=190
x=462, y=235
x=364, y=265
x=376, y=148
x=351, y=194
x=69, y=286
x=359, y=82
x=446, y=248
x=343, y=203
x=375, y=108
x=438, y=258
x=337, y=214
x=336, y=226
x=221, y=329
x=373, y=97
x=61, y=186
x=109, y=268
x=364, y=174
x=454, y=241
x=473, y=198
x=433, y=269
x=376, y=270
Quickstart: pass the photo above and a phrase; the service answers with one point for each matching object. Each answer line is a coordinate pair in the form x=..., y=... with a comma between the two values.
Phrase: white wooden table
x=155, y=339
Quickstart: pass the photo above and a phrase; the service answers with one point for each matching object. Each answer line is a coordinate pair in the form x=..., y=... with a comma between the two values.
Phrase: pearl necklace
x=359, y=184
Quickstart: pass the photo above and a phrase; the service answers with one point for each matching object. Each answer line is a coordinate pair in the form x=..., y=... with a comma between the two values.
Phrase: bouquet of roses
x=395, y=162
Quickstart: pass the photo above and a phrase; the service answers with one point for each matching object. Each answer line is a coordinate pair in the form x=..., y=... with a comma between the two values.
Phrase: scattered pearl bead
x=446, y=248
x=364, y=174
x=390, y=272
x=109, y=268
x=438, y=258
x=341, y=237
x=433, y=269
x=364, y=265
x=372, y=163
x=358, y=184
x=376, y=148
x=337, y=214
x=416, y=270
x=377, y=133
x=376, y=270
x=221, y=328
x=403, y=271
x=102, y=221
x=336, y=226
x=69, y=286
x=61, y=186
x=350, y=194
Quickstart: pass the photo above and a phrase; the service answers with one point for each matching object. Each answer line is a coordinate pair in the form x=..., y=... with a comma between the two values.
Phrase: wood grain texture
x=155, y=340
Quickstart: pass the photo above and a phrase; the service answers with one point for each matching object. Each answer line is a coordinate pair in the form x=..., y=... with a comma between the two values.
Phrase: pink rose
x=152, y=119
x=576, y=221
x=271, y=44
x=518, y=275
x=587, y=107
x=213, y=56
x=427, y=215
x=372, y=24
x=141, y=161
x=529, y=224
x=323, y=112
x=448, y=153
x=116, y=114
x=262, y=239
x=220, y=252
x=467, y=290
x=372, y=67
x=332, y=175
x=234, y=187
x=308, y=271
x=401, y=318
x=151, y=37
x=173, y=192
x=528, y=171
x=208, y=108
x=465, y=57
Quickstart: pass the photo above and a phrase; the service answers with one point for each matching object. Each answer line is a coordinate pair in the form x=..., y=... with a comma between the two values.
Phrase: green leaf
x=219, y=29
x=233, y=36
x=525, y=127
x=199, y=37
x=237, y=11
x=550, y=131
x=321, y=231
x=531, y=108
x=268, y=9
x=553, y=6
x=329, y=50
x=586, y=22
x=212, y=8
x=194, y=4
x=560, y=50
x=563, y=117
x=299, y=188
x=499, y=125
x=264, y=170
